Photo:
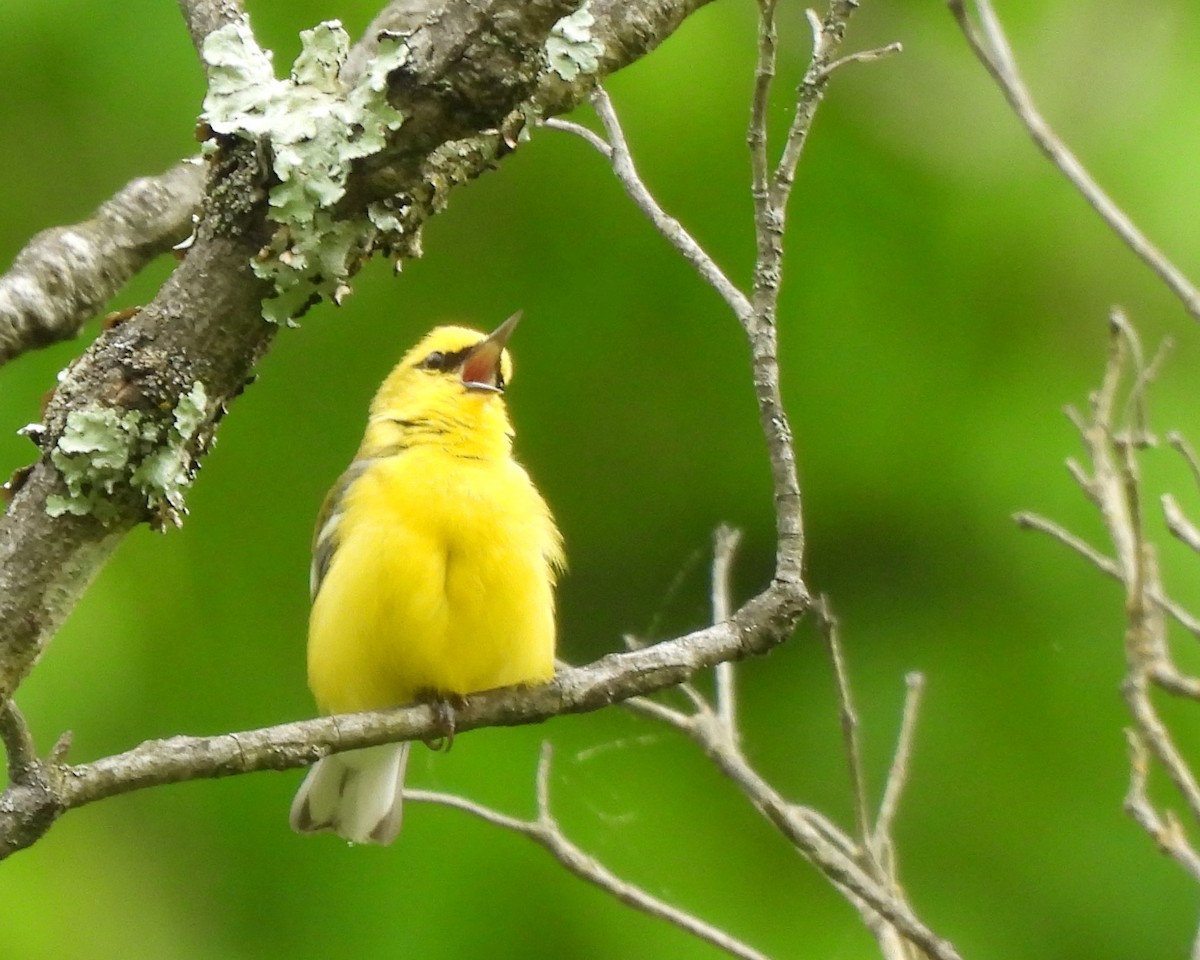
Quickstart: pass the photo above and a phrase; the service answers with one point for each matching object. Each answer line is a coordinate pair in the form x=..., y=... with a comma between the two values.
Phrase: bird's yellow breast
x=442, y=581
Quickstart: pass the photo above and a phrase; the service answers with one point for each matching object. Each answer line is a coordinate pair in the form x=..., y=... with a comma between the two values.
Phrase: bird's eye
x=435, y=361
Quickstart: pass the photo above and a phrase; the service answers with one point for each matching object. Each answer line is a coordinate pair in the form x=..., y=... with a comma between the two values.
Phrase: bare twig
x=18, y=742
x=862, y=56
x=898, y=772
x=1106, y=565
x=1165, y=830
x=811, y=836
x=1032, y=521
x=875, y=848
x=1167, y=677
x=593, y=139
x=991, y=47
x=872, y=891
x=760, y=102
x=1114, y=435
x=725, y=544
x=849, y=723
x=622, y=163
x=545, y=831
x=1180, y=526
x=654, y=710
x=1180, y=444
x=770, y=192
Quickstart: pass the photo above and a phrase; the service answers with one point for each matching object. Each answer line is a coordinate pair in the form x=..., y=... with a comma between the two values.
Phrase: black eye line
x=444, y=362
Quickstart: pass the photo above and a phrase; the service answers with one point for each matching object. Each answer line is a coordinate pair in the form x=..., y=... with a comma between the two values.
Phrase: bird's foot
x=443, y=706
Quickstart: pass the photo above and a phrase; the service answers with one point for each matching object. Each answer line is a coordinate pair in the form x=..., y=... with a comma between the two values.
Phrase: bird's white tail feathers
x=356, y=795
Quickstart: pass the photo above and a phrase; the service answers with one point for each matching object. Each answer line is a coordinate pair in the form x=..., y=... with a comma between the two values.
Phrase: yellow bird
x=433, y=569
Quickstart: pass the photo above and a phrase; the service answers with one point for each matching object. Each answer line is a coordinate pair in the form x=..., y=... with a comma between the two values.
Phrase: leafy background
x=947, y=294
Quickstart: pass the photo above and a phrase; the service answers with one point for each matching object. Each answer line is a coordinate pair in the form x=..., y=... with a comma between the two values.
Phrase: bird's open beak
x=481, y=368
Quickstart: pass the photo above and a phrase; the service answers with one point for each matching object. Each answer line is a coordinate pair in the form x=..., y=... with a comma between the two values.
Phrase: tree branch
x=27, y=810
x=725, y=545
x=204, y=16
x=65, y=275
x=810, y=835
x=868, y=884
x=864, y=872
x=18, y=742
x=992, y=49
x=1114, y=434
x=545, y=831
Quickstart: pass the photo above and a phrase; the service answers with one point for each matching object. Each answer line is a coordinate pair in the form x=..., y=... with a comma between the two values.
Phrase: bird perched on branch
x=433, y=569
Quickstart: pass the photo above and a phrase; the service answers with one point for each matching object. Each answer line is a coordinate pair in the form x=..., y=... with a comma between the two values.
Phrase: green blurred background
x=946, y=295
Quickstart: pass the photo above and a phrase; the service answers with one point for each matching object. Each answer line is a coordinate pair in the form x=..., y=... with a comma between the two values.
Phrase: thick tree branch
x=474, y=68
x=66, y=274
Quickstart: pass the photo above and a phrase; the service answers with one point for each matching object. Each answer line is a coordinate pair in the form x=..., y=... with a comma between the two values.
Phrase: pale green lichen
x=101, y=450
x=571, y=48
x=313, y=129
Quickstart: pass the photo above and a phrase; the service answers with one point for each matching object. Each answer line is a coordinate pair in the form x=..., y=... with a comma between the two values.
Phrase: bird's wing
x=325, y=536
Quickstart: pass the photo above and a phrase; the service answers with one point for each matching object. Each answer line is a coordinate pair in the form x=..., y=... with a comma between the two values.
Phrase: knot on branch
x=30, y=804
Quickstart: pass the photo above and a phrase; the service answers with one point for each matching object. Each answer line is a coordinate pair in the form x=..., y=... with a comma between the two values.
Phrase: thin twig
x=1157, y=738
x=993, y=51
x=849, y=723
x=862, y=56
x=579, y=130
x=1032, y=521
x=545, y=831
x=18, y=742
x=1180, y=444
x=1114, y=436
x=875, y=842
x=1106, y=565
x=898, y=772
x=756, y=135
x=1167, y=677
x=1136, y=416
x=1178, y=524
x=654, y=710
x=725, y=545
x=810, y=837
x=1166, y=831
x=664, y=223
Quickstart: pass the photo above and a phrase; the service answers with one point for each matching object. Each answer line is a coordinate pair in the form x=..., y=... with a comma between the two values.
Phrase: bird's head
x=453, y=376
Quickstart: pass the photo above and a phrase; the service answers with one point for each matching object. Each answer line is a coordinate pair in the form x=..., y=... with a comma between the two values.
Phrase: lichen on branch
x=102, y=449
x=312, y=129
